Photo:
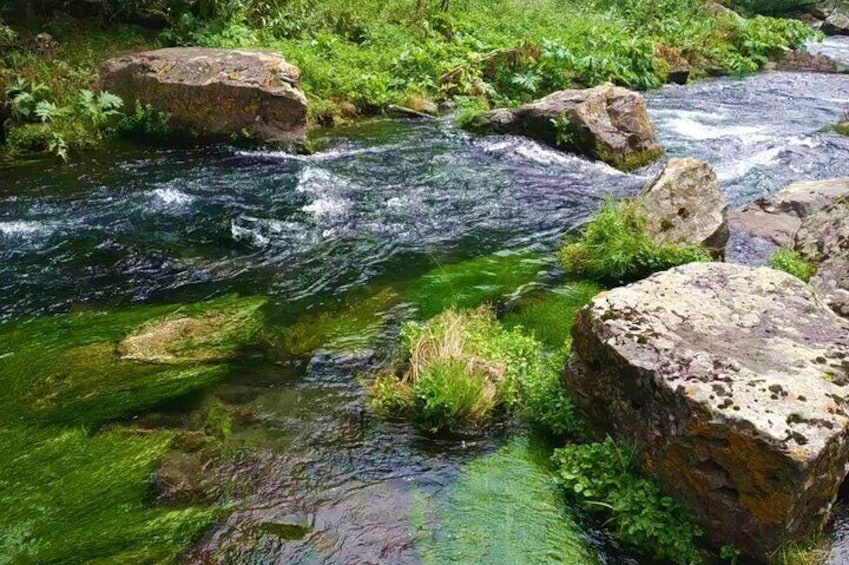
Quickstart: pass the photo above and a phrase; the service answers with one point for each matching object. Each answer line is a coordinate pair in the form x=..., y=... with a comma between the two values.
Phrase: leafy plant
x=616, y=247
x=793, y=263
x=145, y=122
x=604, y=479
x=24, y=98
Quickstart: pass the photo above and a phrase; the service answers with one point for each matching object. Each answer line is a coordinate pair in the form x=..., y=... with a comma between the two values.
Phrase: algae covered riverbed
x=187, y=332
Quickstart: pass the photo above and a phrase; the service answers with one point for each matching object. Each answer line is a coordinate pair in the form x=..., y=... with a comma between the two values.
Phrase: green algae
x=504, y=508
x=74, y=369
x=468, y=284
x=351, y=325
x=68, y=497
x=549, y=315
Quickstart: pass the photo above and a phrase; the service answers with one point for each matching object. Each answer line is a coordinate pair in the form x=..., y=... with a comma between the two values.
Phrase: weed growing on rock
x=615, y=247
x=791, y=262
x=604, y=479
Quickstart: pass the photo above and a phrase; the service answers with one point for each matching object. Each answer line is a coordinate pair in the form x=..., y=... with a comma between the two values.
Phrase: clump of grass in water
x=504, y=508
x=604, y=478
x=791, y=262
x=469, y=284
x=464, y=369
x=615, y=247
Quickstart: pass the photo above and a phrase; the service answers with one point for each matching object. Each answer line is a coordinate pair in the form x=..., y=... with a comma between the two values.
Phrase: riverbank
x=470, y=54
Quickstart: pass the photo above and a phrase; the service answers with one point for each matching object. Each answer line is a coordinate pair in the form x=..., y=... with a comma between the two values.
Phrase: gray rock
x=801, y=61
x=608, y=123
x=731, y=380
x=215, y=93
x=684, y=205
x=834, y=15
x=778, y=217
x=823, y=240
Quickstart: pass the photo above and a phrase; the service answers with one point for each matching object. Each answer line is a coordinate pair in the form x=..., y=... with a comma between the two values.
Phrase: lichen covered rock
x=731, y=381
x=215, y=93
x=683, y=205
x=778, y=217
x=608, y=123
x=823, y=240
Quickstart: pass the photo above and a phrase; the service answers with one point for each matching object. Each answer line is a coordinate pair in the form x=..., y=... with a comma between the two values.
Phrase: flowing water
x=376, y=208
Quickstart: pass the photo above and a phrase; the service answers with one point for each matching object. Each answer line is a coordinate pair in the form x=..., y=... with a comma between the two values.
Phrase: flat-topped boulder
x=778, y=217
x=215, y=93
x=607, y=123
x=683, y=205
x=732, y=382
x=823, y=240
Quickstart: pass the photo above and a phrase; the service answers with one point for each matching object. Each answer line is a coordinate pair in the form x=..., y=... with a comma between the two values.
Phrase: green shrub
x=615, y=247
x=604, y=479
x=463, y=369
x=791, y=262
x=29, y=138
x=146, y=123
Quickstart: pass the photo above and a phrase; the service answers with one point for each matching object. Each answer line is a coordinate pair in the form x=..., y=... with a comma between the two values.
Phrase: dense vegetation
x=360, y=58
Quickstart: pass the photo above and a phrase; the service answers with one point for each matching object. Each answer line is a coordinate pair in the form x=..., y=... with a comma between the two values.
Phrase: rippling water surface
x=380, y=202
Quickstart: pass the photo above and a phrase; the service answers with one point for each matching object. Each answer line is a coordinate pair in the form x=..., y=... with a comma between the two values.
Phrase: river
x=379, y=205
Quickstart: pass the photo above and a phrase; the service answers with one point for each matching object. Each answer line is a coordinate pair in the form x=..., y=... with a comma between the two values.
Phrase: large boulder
x=778, y=217
x=215, y=93
x=801, y=61
x=823, y=239
x=683, y=204
x=834, y=15
x=731, y=381
x=607, y=122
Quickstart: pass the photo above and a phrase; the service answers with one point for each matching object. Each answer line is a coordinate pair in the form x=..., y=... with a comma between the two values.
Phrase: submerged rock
x=731, y=381
x=779, y=216
x=608, y=123
x=215, y=93
x=823, y=240
x=683, y=205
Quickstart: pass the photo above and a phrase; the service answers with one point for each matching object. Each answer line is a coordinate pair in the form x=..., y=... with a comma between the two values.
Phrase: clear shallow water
x=381, y=203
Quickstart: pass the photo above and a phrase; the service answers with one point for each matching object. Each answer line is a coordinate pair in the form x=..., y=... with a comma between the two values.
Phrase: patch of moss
x=93, y=367
x=842, y=128
x=793, y=263
x=631, y=161
x=548, y=316
x=68, y=497
x=469, y=284
x=615, y=248
x=504, y=508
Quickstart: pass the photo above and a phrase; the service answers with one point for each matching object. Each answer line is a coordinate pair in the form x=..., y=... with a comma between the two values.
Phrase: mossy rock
x=94, y=367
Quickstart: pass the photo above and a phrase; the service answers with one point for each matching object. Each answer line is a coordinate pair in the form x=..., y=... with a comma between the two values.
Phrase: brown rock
x=684, y=205
x=608, y=123
x=823, y=239
x=778, y=217
x=215, y=93
x=731, y=381
x=799, y=60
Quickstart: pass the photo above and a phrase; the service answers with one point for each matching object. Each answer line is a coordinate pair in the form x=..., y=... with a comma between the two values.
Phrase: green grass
x=548, y=316
x=504, y=509
x=72, y=491
x=70, y=369
x=604, y=479
x=68, y=497
x=792, y=262
x=615, y=247
x=470, y=283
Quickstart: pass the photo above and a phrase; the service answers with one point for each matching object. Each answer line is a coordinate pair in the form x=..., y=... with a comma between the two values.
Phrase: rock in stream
x=731, y=381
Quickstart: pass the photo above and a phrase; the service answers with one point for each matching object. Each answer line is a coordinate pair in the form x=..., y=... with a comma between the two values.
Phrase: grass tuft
x=792, y=262
x=615, y=248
